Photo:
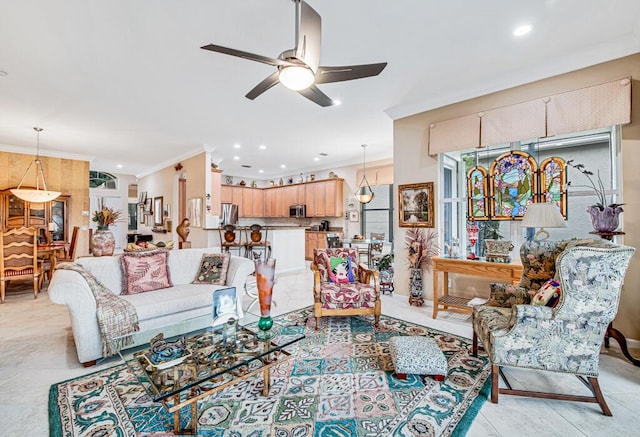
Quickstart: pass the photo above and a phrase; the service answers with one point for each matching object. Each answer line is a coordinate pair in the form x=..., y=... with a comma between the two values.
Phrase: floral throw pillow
x=340, y=270
x=145, y=271
x=213, y=269
x=548, y=294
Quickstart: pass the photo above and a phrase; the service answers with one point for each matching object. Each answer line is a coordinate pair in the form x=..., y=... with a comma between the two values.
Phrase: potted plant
x=604, y=215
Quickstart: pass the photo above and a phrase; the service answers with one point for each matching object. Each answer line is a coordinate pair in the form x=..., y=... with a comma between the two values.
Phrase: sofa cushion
x=105, y=269
x=145, y=271
x=176, y=299
x=213, y=269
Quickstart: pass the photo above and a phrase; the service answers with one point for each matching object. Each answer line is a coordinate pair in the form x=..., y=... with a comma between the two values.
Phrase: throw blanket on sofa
x=116, y=317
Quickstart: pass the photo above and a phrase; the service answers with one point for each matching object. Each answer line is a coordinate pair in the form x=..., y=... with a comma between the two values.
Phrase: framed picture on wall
x=147, y=205
x=194, y=212
x=354, y=216
x=157, y=211
x=416, y=205
x=141, y=215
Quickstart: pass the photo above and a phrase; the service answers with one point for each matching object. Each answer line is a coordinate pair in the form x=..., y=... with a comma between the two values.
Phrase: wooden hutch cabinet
x=15, y=213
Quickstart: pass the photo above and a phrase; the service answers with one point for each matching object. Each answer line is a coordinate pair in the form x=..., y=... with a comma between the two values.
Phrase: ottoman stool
x=417, y=355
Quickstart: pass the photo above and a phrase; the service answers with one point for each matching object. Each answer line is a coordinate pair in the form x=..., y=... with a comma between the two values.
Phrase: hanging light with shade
x=35, y=195
x=364, y=194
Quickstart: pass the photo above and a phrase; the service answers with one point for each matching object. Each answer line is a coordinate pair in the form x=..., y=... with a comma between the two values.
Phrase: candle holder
x=265, y=278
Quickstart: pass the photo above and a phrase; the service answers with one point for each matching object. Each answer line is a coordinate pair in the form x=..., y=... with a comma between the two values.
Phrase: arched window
x=106, y=181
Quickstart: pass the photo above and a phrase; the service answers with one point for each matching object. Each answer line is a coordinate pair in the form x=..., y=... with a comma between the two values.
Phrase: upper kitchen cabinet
x=250, y=201
x=324, y=198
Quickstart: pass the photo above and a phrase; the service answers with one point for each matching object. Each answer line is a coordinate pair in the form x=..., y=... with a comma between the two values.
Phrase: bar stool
x=230, y=240
x=256, y=246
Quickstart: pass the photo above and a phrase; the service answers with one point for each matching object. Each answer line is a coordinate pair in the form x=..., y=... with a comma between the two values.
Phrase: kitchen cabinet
x=315, y=240
x=250, y=200
x=324, y=198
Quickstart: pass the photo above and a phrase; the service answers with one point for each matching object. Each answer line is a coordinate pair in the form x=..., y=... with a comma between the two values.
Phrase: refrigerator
x=229, y=214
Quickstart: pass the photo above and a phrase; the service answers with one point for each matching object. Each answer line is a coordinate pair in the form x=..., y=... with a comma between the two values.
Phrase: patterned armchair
x=360, y=296
x=566, y=338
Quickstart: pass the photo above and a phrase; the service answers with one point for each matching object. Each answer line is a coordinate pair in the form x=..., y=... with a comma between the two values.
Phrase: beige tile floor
x=37, y=350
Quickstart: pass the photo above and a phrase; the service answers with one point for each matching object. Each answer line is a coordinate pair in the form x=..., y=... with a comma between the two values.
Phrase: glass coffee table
x=180, y=363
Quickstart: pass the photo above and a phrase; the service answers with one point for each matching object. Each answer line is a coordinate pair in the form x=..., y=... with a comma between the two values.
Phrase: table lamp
x=52, y=228
x=543, y=215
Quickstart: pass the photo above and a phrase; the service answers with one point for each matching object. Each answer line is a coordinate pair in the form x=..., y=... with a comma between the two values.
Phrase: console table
x=504, y=271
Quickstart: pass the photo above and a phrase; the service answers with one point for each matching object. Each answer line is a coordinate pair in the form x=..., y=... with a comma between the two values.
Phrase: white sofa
x=154, y=308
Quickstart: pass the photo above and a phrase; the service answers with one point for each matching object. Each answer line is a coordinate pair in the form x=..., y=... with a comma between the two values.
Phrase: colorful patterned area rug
x=340, y=382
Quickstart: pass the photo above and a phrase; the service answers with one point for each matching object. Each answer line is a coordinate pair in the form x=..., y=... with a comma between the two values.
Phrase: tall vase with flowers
x=421, y=246
x=103, y=242
x=604, y=215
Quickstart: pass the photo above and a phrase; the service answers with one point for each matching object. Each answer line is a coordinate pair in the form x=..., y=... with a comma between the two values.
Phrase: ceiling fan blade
x=308, y=35
x=315, y=95
x=351, y=72
x=263, y=86
x=245, y=55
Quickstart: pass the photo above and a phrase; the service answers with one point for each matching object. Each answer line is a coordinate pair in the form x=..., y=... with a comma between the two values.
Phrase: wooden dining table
x=53, y=251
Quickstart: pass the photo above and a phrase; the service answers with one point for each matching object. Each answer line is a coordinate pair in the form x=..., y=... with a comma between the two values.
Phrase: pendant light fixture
x=364, y=194
x=35, y=195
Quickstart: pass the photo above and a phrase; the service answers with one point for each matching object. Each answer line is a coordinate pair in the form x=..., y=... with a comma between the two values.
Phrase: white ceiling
x=127, y=83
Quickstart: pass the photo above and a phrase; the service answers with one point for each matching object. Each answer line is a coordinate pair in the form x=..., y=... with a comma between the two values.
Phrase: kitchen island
x=287, y=244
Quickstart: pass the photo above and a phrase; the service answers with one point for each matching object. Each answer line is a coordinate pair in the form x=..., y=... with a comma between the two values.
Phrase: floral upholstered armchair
x=565, y=338
x=343, y=287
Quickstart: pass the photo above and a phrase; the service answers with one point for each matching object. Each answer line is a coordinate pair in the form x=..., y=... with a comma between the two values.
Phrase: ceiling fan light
x=296, y=77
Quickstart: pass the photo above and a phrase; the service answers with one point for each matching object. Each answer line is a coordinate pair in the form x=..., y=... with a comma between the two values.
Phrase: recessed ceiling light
x=283, y=166
x=119, y=165
x=261, y=171
x=262, y=147
x=316, y=159
x=236, y=158
x=522, y=30
x=236, y=146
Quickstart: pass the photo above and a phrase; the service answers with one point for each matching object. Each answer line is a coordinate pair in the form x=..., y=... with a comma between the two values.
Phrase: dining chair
x=333, y=241
x=71, y=253
x=19, y=258
x=231, y=239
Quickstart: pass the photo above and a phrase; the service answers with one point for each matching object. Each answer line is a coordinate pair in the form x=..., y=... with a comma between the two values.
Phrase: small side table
x=611, y=331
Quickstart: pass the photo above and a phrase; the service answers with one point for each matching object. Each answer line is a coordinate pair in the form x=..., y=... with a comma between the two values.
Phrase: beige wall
x=165, y=182
x=413, y=164
x=69, y=176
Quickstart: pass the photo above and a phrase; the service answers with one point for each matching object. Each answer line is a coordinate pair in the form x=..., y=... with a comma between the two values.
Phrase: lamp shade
x=543, y=215
x=296, y=77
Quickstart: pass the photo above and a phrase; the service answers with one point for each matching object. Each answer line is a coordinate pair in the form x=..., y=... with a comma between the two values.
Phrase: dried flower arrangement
x=421, y=246
x=106, y=216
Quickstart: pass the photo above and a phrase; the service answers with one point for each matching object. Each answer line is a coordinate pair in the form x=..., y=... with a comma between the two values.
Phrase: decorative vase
x=415, y=287
x=605, y=220
x=265, y=279
x=102, y=242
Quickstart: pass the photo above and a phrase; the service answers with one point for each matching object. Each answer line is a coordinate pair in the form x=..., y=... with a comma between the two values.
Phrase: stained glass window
x=477, y=193
x=553, y=183
x=513, y=185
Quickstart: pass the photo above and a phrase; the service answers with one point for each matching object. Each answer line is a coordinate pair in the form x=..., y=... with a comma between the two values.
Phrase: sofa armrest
x=530, y=314
x=367, y=276
x=316, y=282
x=507, y=295
x=239, y=270
x=69, y=288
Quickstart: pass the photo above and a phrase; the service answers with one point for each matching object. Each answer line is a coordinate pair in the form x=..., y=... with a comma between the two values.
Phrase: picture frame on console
x=416, y=205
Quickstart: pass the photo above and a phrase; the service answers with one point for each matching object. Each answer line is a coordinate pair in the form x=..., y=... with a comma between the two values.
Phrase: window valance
x=588, y=108
x=377, y=175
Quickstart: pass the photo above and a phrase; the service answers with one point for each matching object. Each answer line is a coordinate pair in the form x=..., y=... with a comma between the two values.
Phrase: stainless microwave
x=298, y=211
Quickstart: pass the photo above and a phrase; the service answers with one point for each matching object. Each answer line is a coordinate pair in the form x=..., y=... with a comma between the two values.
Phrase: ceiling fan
x=298, y=68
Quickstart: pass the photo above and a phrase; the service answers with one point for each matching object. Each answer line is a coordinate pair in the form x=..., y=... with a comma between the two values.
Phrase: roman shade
x=579, y=110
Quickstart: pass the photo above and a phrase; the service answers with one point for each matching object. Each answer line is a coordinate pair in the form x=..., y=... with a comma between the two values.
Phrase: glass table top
x=193, y=354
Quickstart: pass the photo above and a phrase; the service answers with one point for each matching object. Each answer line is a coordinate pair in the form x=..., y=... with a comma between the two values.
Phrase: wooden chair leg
x=474, y=344
x=599, y=397
x=2, y=289
x=317, y=323
x=36, y=286
x=495, y=370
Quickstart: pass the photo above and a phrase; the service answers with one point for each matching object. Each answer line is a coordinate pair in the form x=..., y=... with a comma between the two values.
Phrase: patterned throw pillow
x=213, y=269
x=548, y=295
x=340, y=270
x=145, y=271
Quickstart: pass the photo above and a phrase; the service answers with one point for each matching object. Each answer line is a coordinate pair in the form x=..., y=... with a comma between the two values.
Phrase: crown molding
x=171, y=162
x=45, y=152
